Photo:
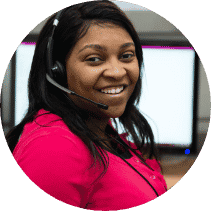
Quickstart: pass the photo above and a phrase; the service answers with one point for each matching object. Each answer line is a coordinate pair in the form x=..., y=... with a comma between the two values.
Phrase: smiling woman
x=105, y=72
x=87, y=55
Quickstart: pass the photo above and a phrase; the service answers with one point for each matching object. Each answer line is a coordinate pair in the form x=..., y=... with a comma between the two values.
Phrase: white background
x=167, y=91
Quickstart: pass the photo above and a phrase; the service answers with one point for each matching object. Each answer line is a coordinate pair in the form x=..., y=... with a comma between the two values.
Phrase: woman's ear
x=59, y=73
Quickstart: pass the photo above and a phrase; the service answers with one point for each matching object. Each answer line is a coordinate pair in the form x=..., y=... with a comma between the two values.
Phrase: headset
x=57, y=68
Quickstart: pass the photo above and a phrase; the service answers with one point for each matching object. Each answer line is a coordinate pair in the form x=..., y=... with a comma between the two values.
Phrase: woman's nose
x=115, y=69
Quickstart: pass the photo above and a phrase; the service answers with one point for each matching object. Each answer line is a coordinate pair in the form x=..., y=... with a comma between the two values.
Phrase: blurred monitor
x=167, y=99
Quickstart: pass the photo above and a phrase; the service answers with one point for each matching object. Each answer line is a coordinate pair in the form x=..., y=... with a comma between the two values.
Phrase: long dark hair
x=73, y=25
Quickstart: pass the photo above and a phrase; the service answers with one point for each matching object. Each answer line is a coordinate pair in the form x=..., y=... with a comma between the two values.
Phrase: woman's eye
x=94, y=59
x=127, y=56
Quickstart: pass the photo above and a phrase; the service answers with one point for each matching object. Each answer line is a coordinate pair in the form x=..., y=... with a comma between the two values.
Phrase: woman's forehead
x=104, y=34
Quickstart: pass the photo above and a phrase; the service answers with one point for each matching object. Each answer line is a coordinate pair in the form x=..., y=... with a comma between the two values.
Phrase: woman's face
x=104, y=68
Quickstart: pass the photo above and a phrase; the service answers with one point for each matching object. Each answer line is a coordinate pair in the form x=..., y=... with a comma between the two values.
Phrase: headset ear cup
x=59, y=74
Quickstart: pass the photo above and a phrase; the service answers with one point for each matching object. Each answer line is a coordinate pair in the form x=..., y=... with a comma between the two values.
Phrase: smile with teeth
x=112, y=90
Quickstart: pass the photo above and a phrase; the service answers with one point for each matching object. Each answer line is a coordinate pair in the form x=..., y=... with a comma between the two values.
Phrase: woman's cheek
x=90, y=75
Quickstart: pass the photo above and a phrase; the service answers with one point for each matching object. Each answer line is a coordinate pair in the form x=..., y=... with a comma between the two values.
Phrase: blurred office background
x=176, y=97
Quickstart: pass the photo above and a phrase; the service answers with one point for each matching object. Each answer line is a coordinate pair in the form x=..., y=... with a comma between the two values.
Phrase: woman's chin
x=115, y=112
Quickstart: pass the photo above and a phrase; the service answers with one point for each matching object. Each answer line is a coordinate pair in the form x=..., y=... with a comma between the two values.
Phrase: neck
x=98, y=126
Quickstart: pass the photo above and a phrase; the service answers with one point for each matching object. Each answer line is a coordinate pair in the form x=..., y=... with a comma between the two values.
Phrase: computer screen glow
x=167, y=91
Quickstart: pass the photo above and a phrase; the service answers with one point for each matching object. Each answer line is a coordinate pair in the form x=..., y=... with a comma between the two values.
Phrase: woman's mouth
x=112, y=90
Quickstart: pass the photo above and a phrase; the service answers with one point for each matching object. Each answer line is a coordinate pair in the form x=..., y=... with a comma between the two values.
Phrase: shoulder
x=55, y=159
x=50, y=135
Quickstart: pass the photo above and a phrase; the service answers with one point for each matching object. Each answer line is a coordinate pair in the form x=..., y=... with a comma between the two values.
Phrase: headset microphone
x=57, y=69
x=100, y=105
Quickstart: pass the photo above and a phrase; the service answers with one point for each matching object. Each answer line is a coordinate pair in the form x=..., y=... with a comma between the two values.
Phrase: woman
x=66, y=143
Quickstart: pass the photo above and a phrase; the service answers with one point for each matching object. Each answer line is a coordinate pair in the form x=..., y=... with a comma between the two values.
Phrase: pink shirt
x=58, y=162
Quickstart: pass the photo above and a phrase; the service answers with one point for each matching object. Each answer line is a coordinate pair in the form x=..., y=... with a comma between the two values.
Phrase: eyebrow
x=100, y=48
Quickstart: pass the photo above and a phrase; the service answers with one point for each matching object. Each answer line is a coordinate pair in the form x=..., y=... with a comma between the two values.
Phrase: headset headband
x=49, y=52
